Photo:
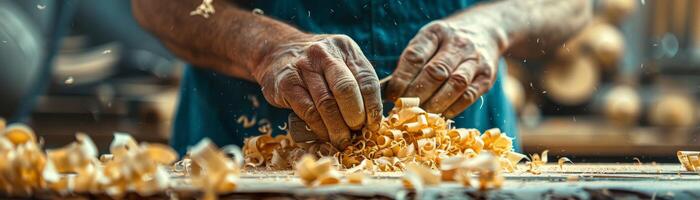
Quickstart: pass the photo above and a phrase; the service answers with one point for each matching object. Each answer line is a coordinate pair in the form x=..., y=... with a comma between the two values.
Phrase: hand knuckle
x=344, y=85
x=438, y=71
x=366, y=77
x=320, y=48
x=470, y=94
x=369, y=89
x=488, y=70
x=437, y=25
x=459, y=81
x=462, y=43
x=288, y=77
x=326, y=103
x=414, y=55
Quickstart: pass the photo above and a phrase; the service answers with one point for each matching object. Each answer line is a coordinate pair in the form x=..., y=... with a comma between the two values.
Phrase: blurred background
x=625, y=87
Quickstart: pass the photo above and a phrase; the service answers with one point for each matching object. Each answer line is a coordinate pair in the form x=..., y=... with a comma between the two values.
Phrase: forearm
x=231, y=41
x=529, y=28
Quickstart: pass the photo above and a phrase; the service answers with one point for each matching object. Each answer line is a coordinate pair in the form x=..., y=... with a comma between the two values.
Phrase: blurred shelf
x=564, y=136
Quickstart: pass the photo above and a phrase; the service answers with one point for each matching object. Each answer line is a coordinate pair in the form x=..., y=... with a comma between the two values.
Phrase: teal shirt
x=210, y=103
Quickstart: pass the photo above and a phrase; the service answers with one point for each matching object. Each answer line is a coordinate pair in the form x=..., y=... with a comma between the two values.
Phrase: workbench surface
x=580, y=181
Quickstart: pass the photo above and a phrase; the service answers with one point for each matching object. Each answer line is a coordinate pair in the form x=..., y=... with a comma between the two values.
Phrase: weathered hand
x=449, y=64
x=327, y=82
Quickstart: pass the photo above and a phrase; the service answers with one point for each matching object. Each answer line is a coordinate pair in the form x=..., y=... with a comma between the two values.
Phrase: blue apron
x=211, y=103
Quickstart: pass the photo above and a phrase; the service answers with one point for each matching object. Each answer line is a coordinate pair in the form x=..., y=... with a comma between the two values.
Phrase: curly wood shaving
x=563, y=160
x=246, y=122
x=637, y=161
x=417, y=177
x=314, y=172
x=536, y=161
x=130, y=167
x=25, y=168
x=689, y=159
x=488, y=168
x=408, y=135
x=219, y=173
x=19, y=134
x=265, y=129
x=22, y=161
x=283, y=127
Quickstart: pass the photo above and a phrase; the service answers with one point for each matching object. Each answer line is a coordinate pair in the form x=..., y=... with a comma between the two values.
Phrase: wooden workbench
x=580, y=181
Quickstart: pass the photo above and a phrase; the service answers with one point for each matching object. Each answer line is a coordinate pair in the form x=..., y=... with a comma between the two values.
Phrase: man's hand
x=326, y=81
x=449, y=64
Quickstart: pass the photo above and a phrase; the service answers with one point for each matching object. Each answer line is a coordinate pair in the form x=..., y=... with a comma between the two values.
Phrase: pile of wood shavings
x=408, y=135
x=130, y=167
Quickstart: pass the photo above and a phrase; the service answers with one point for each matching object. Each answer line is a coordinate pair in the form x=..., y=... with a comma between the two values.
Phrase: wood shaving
x=22, y=162
x=408, y=135
x=264, y=126
x=537, y=161
x=219, y=173
x=637, y=161
x=488, y=168
x=130, y=167
x=314, y=172
x=205, y=9
x=690, y=160
x=356, y=178
x=254, y=100
x=563, y=160
x=417, y=177
x=425, y=145
x=247, y=122
x=283, y=127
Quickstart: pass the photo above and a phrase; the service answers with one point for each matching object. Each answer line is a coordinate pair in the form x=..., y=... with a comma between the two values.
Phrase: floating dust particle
x=107, y=51
x=69, y=81
x=40, y=6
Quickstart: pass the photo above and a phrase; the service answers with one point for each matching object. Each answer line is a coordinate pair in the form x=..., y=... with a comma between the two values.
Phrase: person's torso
x=211, y=103
x=382, y=28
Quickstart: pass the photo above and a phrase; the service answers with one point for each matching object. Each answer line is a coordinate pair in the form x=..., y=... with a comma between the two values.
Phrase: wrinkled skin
x=446, y=65
x=326, y=81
